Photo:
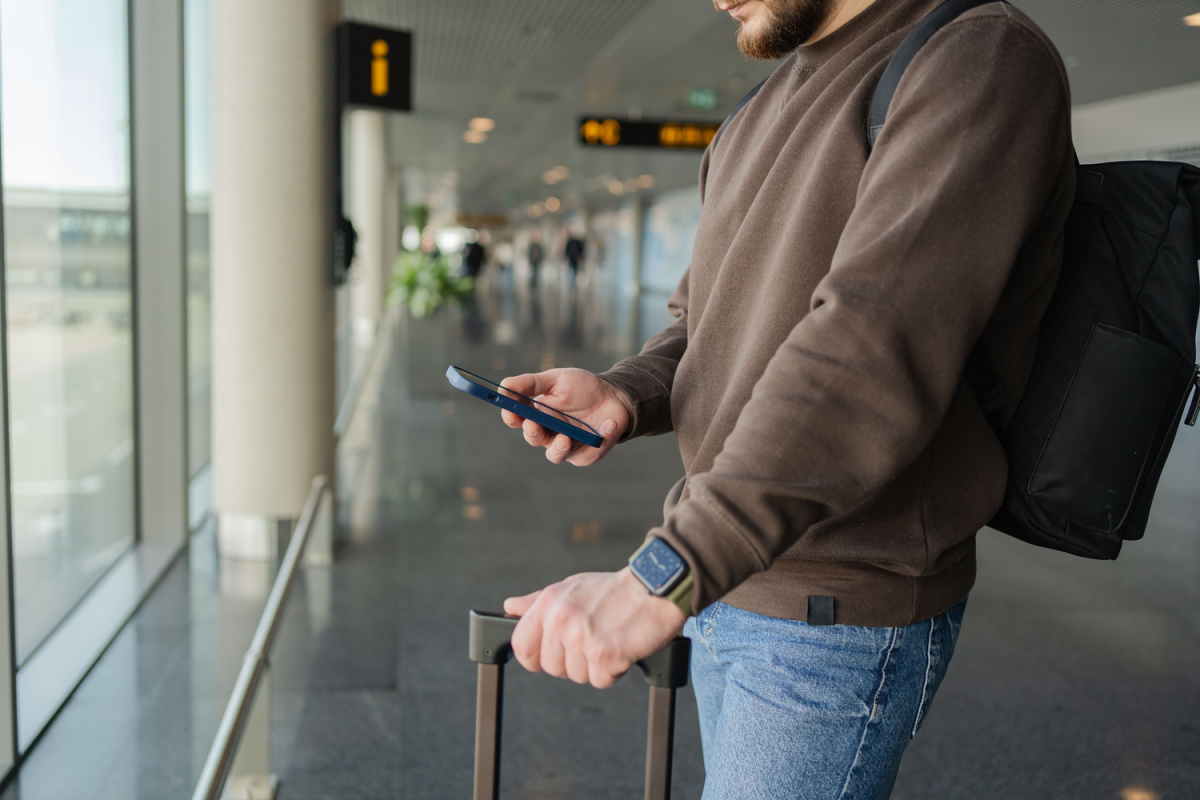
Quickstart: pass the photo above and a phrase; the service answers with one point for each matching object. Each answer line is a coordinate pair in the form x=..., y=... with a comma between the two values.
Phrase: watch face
x=659, y=567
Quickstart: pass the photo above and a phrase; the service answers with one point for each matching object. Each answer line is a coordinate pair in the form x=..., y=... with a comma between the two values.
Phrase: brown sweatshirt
x=814, y=373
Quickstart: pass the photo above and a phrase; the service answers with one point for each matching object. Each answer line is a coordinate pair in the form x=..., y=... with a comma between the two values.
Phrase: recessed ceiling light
x=482, y=124
x=552, y=204
x=474, y=137
x=646, y=181
x=1138, y=793
x=563, y=172
x=550, y=177
x=616, y=187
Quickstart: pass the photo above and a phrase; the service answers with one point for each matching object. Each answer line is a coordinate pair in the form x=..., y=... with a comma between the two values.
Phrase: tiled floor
x=1073, y=679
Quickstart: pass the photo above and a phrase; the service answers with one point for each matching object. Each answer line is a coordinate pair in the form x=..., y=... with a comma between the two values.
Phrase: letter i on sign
x=379, y=68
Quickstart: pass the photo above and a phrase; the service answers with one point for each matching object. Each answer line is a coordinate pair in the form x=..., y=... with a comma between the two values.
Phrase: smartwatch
x=664, y=573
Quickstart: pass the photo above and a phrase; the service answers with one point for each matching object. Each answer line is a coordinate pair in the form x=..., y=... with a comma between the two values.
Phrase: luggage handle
x=491, y=636
x=491, y=648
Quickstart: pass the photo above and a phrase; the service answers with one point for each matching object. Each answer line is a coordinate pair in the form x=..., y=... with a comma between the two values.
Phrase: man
x=573, y=252
x=535, y=255
x=473, y=257
x=837, y=465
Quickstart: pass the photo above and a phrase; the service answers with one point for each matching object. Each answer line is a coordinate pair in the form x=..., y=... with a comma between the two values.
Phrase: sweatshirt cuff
x=647, y=399
x=719, y=555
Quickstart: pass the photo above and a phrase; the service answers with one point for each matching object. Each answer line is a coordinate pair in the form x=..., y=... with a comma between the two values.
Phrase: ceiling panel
x=474, y=56
x=1117, y=47
x=536, y=65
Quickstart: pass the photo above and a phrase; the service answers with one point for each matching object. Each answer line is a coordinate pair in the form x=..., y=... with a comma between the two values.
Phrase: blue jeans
x=791, y=710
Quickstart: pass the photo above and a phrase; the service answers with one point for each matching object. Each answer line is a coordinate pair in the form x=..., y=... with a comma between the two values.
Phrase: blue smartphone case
x=490, y=392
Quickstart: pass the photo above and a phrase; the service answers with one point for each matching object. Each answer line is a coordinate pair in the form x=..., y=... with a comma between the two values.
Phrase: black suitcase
x=665, y=671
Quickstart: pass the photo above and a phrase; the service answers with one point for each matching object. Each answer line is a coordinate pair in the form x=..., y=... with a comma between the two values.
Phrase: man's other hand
x=592, y=627
x=581, y=394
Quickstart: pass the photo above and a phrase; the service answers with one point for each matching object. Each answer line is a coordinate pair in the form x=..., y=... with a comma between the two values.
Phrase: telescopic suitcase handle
x=491, y=648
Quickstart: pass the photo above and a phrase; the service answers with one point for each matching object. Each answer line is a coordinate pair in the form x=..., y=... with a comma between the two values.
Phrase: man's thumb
x=517, y=606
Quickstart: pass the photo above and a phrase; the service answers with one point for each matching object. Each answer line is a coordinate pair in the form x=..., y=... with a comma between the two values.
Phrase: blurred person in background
x=535, y=254
x=474, y=255
x=573, y=252
x=504, y=255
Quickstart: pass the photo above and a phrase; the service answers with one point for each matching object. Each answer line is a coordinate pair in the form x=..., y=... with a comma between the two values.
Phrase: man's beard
x=788, y=24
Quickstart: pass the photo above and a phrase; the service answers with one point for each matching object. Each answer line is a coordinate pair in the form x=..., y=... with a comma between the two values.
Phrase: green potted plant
x=424, y=283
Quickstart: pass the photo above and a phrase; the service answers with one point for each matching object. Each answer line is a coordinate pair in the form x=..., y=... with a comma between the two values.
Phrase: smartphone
x=522, y=406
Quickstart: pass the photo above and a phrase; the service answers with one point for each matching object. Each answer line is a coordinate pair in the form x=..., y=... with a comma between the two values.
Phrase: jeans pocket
x=700, y=627
x=943, y=634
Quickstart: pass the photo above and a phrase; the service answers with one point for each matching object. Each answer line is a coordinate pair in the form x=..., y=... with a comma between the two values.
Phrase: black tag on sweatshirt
x=820, y=610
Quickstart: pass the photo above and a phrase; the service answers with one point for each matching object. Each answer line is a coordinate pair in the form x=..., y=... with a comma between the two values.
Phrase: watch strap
x=681, y=595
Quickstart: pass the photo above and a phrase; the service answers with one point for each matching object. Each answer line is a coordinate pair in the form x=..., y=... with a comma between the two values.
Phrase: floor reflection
x=558, y=312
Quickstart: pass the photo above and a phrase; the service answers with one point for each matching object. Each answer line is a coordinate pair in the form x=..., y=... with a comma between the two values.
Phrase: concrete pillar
x=368, y=178
x=272, y=290
x=638, y=211
x=393, y=217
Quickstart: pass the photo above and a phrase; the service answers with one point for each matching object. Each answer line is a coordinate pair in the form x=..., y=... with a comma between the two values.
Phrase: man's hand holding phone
x=581, y=394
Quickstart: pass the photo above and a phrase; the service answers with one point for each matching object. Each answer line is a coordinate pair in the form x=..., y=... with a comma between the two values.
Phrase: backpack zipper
x=1194, y=411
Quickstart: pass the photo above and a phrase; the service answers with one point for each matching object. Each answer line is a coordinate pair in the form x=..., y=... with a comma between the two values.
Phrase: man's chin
x=774, y=31
x=755, y=45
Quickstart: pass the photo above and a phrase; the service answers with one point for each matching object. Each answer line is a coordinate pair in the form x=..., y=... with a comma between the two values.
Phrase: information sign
x=376, y=67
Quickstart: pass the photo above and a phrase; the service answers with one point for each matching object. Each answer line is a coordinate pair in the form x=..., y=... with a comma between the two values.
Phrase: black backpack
x=1116, y=352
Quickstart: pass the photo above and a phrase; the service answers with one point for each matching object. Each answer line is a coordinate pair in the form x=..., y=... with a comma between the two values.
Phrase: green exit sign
x=704, y=99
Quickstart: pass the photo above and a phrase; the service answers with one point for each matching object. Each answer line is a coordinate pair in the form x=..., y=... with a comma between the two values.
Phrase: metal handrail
x=225, y=746
x=354, y=392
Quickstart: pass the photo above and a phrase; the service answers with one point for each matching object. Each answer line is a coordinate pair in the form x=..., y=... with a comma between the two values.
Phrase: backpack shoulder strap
x=741, y=104
x=934, y=21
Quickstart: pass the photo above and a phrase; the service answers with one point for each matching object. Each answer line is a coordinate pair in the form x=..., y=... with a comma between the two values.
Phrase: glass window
x=64, y=130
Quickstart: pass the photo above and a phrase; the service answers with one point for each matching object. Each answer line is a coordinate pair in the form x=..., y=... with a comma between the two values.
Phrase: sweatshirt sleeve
x=973, y=151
